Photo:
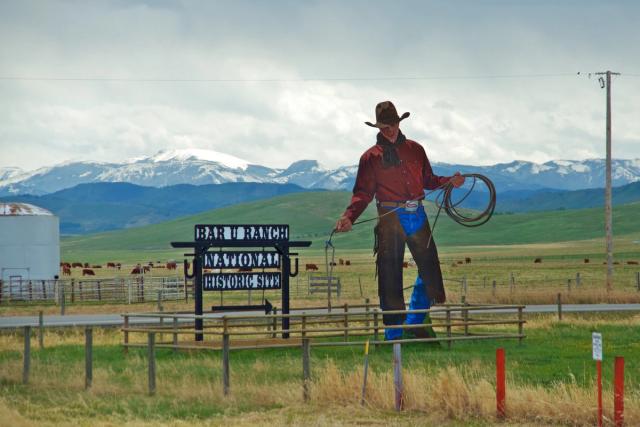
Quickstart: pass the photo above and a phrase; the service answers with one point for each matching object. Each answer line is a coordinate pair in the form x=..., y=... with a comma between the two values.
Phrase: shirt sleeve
x=363, y=190
x=429, y=180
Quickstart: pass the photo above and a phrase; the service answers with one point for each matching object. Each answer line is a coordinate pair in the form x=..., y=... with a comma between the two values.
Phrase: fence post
x=375, y=325
x=73, y=290
x=304, y=325
x=578, y=280
x=99, y=292
x=62, y=300
x=493, y=291
x=559, y=306
x=126, y=334
x=520, y=325
x=360, y=284
x=397, y=376
x=569, y=285
x=160, y=308
x=638, y=280
x=464, y=284
x=128, y=291
x=465, y=318
x=500, y=384
x=346, y=321
x=88, y=358
x=26, y=367
x=151, y=341
x=618, y=392
x=306, y=368
x=225, y=358
x=512, y=281
x=449, y=327
x=175, y=334
x=41, y=329
x=275, y=322
x=366, y=316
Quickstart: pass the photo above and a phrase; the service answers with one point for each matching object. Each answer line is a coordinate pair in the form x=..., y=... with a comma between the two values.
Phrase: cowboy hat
x=386, y=114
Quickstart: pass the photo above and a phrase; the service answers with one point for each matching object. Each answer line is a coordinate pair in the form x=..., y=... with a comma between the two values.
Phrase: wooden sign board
x=241, y=281
x=220, y=234
x=242, y=259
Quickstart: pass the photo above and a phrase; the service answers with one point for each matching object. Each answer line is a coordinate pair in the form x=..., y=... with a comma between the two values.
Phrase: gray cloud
x=277, y=122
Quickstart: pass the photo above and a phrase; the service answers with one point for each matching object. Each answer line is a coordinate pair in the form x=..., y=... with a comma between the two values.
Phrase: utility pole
x=608, y=215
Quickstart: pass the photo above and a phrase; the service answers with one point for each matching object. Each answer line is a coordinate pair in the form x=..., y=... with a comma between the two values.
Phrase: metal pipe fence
x=112, y=290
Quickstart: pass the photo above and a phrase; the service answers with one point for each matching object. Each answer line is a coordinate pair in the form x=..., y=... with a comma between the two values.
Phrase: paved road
x=11, y=322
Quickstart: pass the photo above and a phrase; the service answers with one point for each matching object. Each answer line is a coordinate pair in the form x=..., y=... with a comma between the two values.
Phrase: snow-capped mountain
x=194, y=166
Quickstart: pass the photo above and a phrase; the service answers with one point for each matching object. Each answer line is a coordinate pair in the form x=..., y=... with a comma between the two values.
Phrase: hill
x=91, y=208
x=312, y=216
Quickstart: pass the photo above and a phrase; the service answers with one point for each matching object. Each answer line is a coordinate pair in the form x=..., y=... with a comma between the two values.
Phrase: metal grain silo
x=29, y=244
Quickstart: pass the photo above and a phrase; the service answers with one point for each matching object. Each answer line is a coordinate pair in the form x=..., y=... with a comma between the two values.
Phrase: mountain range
x=199, y=167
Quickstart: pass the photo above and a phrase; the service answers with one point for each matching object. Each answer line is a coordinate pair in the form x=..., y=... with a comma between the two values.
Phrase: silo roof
x=21, y=209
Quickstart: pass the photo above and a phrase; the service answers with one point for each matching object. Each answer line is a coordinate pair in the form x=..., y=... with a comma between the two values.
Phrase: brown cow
x=118, y=266
x=467, y=260
x=96, y=266
x=136, y=270
x=347, y=262
x=146, y=269
x=76, y=264
x=632, y=262
x=66, y=271
x=86, y=265
x=537, y=260
x=459, y=262
x=172, y=265
x=312, y=267
x=88, y=272
x=111, y=265
x=586, y=260
x=341, y=261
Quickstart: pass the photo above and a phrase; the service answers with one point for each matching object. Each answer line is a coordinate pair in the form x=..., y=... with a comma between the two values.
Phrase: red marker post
x=501, y=384
x=618, y=393
x=596, y=342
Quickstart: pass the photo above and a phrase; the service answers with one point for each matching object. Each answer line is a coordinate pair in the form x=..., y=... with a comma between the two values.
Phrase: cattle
x=459, y=262
x=76, y=264
x=86, y=265
x=118, y=266
x=146, y=269
x=159, y=266
x=632, y=262
x=537, y=260
x=311, y=267
x=586, y=260
x=332, y=263
x=65, y=264
x=347, y=262
x=467, y=260
x=454, y=264
x=616, y=263
x=88, y=272
x=341, y=261
x=96, y=266
x=241, y=269
x=66, y=271
x=150, y=263
x=405, y=264
x=172, y=265
x=111, y=265
x=136, y=270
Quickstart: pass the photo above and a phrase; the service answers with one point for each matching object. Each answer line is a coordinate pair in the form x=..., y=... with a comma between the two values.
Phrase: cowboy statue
x=396, y=171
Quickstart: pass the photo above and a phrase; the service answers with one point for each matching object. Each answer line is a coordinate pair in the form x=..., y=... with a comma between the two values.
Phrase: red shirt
x=394, y=184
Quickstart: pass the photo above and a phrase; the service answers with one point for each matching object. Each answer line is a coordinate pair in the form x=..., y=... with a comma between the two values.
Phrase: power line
x=284, y=80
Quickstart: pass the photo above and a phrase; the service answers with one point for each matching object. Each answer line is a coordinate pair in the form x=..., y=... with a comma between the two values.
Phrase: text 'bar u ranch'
x=240, y=281
x=241, y=233
x=242, y=259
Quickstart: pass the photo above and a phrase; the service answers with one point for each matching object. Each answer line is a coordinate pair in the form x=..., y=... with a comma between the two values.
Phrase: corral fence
x=115, y=290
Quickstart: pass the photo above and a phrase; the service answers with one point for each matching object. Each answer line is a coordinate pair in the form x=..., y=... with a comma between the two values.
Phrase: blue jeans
x=412, y=222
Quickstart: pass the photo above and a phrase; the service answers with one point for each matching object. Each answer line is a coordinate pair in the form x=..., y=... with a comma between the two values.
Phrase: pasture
x=550, y=381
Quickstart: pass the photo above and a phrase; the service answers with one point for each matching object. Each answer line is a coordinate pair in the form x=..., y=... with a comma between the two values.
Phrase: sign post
x=596, y=343
x=232, y=270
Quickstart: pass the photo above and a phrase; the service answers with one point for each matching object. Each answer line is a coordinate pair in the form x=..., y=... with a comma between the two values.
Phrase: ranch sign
x=226, y=255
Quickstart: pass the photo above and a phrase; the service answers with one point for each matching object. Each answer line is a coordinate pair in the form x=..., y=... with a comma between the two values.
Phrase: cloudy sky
x=277, y=81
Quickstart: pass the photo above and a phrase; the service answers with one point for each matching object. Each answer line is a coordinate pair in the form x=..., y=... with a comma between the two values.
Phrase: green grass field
x=312, y=216
x=550, y=381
